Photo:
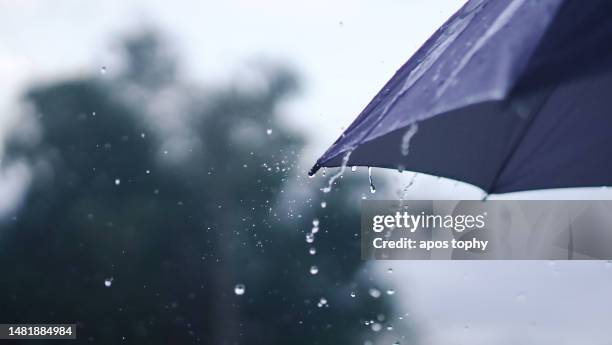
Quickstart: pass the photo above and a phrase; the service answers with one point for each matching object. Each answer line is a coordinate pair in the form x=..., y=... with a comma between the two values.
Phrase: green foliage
x=110, y=199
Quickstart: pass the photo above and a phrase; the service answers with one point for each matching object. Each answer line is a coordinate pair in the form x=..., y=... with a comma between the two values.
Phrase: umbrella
x=506, y=95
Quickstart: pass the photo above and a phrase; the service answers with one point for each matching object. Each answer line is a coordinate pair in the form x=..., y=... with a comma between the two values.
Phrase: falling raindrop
x=331, y=181
x=412, y=130
x=372, y=187
x=312, y=250
x=390, y=292
x=353, y=294
x=314, y=270
x=309, y=237
x=269, y=131
x=239, y=289
x=403, y=195
x=374, y=292
x=323, y=204
x=315, y=226
x=117, y=182
x=108, y=282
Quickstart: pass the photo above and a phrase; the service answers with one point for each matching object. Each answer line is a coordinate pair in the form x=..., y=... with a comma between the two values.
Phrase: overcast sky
x=344, y=50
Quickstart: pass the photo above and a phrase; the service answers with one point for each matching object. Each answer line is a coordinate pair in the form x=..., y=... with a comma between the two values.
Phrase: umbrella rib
x=518, y=140
x=382, y=96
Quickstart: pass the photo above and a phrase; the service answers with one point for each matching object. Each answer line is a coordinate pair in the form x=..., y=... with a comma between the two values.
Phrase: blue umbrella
x=506, y=95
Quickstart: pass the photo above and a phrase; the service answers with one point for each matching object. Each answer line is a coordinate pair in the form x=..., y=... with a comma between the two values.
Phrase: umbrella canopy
x=506, y=95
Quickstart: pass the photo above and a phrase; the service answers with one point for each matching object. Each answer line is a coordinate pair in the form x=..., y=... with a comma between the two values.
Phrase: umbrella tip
x=314, y=169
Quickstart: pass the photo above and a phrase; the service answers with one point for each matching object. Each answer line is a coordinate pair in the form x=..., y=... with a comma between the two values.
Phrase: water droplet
x=147, y=171
x=389, y=270
x=323, y=204
x=108, y=282
x=396, y=342
x=269, y=131
x=315, y=222
x=314, y=270
x=309, y=238
x=331, y=181
x=521, y=297
x=239, y=289
x=322, y=302
x=312, y=250
x=376, y=327
x=117, y=182
x=354, y=168
x=103, y=70
x=374, y=292
x=403, y=195
x=142, y=135
x=390, y=292
x=372, y=187
x=412, y=130
x=353, y=294
x=389, y=327
x=93, y=113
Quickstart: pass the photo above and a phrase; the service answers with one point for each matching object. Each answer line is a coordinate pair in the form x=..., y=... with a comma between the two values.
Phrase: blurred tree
x=152, y=198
